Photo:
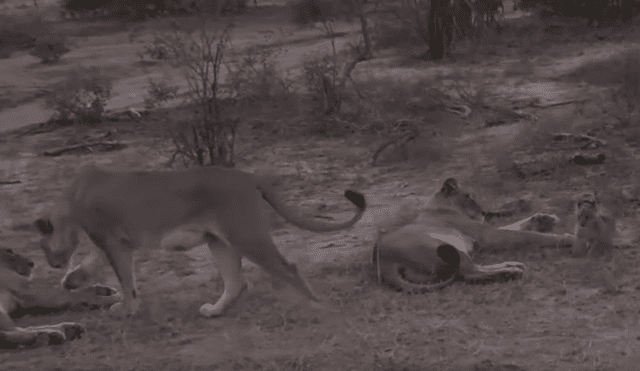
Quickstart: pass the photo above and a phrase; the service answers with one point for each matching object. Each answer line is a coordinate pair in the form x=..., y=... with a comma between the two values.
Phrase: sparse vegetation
x=255, y=76
x=620, y=73
x=81, y=97
x=50, y=49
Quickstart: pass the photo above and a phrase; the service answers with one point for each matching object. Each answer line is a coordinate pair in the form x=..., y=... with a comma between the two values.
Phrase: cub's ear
x=44, y=226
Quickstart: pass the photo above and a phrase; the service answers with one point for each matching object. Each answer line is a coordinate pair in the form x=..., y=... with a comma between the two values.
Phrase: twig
x=400, y=140
x=109, y=146
x=3, y=182
x=555, y=104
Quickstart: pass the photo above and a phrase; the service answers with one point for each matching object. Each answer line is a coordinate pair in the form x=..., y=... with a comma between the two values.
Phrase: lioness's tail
x=295, y=217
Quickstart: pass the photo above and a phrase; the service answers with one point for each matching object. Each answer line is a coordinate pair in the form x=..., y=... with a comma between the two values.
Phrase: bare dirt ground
x=563, y=315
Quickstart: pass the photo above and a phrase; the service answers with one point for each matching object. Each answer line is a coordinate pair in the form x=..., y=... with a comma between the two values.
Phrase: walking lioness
x=123, y=211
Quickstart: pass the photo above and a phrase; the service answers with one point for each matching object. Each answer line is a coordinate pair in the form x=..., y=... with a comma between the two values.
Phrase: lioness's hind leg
x=228, y=261
x=269, y=258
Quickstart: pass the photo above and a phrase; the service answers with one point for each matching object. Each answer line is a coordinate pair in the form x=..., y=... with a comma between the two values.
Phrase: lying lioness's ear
x=44, y=226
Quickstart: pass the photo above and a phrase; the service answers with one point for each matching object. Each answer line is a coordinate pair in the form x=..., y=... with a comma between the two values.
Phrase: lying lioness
x=432, y=251
x=19, y=296
x=123, y=211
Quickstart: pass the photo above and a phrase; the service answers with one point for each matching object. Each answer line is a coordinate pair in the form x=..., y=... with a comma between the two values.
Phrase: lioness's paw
x=73, y=330
x=567, y=240
x=100, y=290
x=120, y=311
x=47, y=337
x=75, y=279
x=96, y=297
x=43, y=337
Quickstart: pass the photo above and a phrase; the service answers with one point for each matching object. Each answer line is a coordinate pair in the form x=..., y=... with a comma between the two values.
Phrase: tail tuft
x=356, y=198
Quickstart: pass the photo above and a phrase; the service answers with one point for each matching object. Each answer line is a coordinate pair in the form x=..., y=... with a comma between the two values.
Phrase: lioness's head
x=451, y=196
x=15, y=262
x=59, y=236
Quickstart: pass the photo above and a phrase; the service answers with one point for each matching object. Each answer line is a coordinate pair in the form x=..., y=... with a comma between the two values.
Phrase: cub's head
x=586, y=208
x=452, y=196
x=59, y=236
x=12, y=261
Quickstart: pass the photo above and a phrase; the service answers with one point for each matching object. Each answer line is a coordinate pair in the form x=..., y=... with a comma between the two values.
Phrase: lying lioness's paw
x=567, y=240
x=101, y=290
x=72, y=330
x=55, y=337
x=30, y=337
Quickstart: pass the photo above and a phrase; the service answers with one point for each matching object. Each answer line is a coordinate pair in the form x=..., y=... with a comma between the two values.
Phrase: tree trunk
x=436, y=34
x=365, y=35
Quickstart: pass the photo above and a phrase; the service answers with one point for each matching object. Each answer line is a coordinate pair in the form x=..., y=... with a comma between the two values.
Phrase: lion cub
x=595, y=229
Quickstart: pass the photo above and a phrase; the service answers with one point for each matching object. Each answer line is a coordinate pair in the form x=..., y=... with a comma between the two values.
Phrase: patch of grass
x=19, y=33
x=523, y=67
x=50, y=49
x=399, y=98
x=604, y=72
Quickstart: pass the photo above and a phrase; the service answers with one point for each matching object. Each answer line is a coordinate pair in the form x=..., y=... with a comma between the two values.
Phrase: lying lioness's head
x=451, y=196
x=15, y=262
x=59, y=236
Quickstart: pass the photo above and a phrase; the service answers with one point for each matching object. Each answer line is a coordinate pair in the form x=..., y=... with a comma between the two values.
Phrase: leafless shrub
x=209, y=138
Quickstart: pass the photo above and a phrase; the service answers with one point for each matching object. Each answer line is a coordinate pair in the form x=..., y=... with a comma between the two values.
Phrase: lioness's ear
x=450, y=185
x=44, y=226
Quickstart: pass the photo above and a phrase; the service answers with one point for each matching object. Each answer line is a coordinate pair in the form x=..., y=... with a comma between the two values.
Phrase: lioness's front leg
x=121, y=258
x=500, y=239
x=488, y=237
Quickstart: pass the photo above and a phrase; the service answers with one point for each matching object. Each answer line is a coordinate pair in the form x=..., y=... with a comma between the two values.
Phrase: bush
x=158, y=50
x=318, y=71
x=50, y=49
x=159, y=93
x=256, y=77
x=82, y=96
x=18, y=33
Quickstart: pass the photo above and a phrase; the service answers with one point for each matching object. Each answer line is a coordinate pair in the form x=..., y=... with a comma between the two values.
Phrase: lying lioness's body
x=123, y=211
x=425, y=254
x=19, y=296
